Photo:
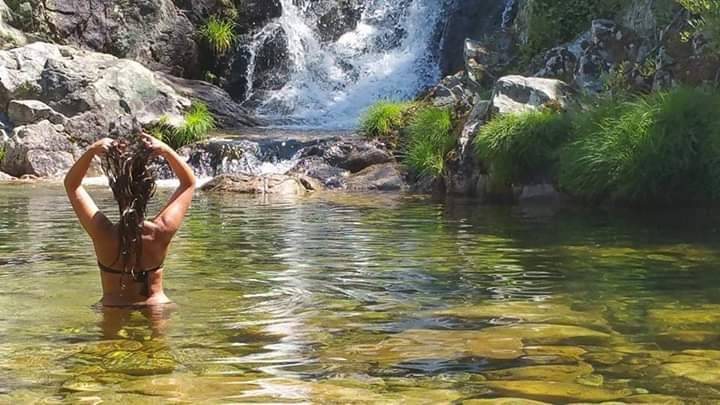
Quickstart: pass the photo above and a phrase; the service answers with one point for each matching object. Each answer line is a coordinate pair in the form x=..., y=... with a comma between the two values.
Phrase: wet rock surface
x=277, y=184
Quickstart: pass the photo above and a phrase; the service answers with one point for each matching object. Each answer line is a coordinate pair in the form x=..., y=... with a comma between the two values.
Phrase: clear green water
x=368, y=299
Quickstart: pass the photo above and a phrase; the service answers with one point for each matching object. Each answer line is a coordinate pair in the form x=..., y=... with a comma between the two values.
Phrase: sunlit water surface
x=367, y=299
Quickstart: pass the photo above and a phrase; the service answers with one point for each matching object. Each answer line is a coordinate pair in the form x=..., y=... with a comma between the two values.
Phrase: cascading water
x=391, y=53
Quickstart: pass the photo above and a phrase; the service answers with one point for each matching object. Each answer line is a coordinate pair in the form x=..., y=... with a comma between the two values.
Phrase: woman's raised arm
x=171, y=215
x=94, y=221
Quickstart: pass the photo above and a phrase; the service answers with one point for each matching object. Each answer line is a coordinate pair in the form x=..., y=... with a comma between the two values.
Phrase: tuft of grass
x=429, y=141
x=219, y=34
x=384, y=119
x=198, y=122
x=657, y=149
x=2, y=152
x=520, y=147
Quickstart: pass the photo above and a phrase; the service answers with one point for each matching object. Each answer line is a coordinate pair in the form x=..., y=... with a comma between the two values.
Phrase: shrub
x=518, y=147
x=383, y=120
x=2, y=152
x=198, y=121
x=219, y=34
x=705, y=18
x=653, y=150
x=429, y=141
x=551, y=22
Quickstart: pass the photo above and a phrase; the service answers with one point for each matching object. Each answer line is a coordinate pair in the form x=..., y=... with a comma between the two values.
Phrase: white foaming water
x=390, y=54
x=167, y=183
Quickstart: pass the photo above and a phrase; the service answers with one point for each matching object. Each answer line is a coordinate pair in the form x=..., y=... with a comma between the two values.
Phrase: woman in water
x=131, y=253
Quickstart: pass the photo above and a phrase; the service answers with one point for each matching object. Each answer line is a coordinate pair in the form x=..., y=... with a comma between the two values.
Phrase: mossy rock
x=541, y=373
x=105, y=347
x=83, y=384
x=534, y=312
x=139, y=363
x=557, y=391
x=503, y=401
x=549, y=334
x=704, y=372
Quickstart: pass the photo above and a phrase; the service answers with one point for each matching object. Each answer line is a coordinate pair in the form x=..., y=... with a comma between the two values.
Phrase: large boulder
x=515, y=94
x=21, y=112
x=153, y=32
x=40, y=149
x=227, y=112
x=6, y=177
x=277, y=184
x=96, y=92
x=384, y=177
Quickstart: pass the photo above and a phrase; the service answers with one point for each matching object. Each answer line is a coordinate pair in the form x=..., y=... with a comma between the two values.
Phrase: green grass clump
x=652, y=150
x=429, y=140
x=219, y=34
x=198, y=122
x=384, y=119
x=519, y=147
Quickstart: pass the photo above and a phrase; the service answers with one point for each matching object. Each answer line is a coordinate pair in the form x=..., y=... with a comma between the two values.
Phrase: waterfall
x=390, y=53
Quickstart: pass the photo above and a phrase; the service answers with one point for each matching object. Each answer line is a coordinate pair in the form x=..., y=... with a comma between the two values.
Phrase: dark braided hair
x=133, y=184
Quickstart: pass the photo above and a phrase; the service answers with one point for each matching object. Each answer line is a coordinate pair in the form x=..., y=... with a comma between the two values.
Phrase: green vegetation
x=550, y=22
x=656, y=149
x=517, y=145
x=429, y=140
x=219, y=34
x=705, y=18
x=198, y=121
x=384, y=119
x=2, y=153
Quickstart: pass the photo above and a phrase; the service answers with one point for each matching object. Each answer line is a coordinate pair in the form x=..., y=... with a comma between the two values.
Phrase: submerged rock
x=533, y=312
x=557, y=391
x=553, y=372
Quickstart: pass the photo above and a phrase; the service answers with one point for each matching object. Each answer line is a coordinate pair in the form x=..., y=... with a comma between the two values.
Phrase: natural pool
x=368, y=299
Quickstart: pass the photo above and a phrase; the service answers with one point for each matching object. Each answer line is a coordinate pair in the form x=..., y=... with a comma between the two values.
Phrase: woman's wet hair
x=126, y=165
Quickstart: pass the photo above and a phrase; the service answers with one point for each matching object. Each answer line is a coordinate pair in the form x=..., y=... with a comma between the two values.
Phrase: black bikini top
x=139, y=276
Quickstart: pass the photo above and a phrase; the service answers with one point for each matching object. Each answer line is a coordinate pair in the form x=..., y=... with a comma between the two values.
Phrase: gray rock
x=355, y=156
x=21, y=112
x=6, y=177
x=331, y=177
x=96, y=92
x=227, y=112
x=463, y=175
x=472, y=19
x=538, y=193
x=10, y=36
x=40, y=149
x=270, y=184
x=559, y=64
x=518, y=94
x=153, y=32
x=384, y=177
x=454, y=92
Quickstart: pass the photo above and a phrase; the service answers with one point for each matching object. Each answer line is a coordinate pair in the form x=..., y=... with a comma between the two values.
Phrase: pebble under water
x=338, y=298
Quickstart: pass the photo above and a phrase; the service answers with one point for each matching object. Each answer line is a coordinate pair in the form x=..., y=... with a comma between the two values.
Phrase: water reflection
x=382, y=298
x=135, y=323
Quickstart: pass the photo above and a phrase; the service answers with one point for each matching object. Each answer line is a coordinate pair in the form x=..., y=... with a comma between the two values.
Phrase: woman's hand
x=158, y=147
x=102, y=146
